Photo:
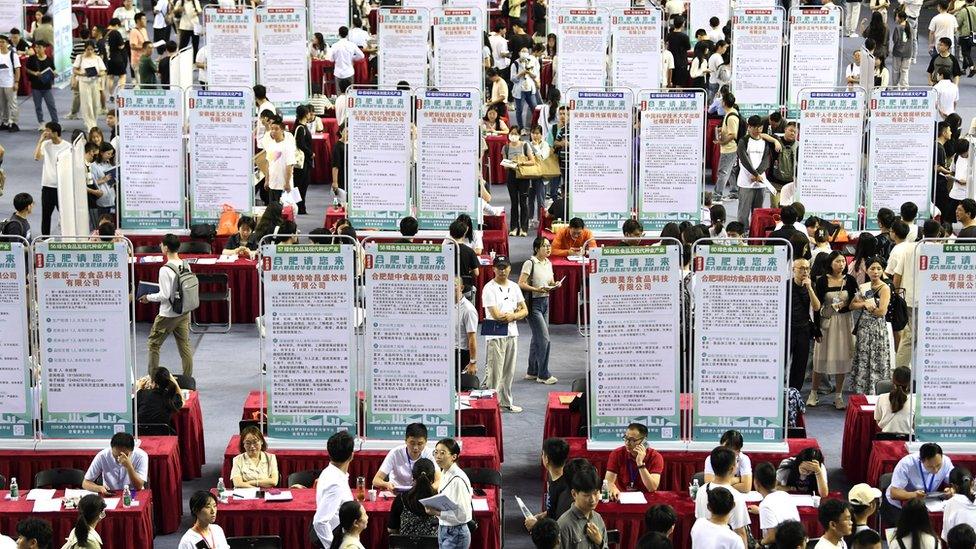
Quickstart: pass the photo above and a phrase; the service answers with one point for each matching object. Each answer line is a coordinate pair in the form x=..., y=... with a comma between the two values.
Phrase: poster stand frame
x=612, y=44
x=285, y=108
x=784, y=55
x=245, y=10
x=838, y=69
x=33, y=361
x=379, y=56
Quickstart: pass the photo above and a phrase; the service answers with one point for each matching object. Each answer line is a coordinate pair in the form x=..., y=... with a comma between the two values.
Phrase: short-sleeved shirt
x=215, y=540
x=706, y=533
x=249, y=471
x=540, y=274
x=398, y=465
x=743, y=466
x=467, y=322
x=506, y=298
x=623, y=465
x=775, y=508
x=114, y=476
x=554, y=490
x=739, y=517
x=8, y=62
x=49, y=168
x=468, y=263
x=280, y=156
x=911, y=475
x=572, y=529
x=234, y=242
x=730, y=125
x=901, y=261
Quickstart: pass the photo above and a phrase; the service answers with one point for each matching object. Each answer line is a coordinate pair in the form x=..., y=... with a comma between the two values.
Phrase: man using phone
x=802, y=298
x=634, y=466
x=118, y=465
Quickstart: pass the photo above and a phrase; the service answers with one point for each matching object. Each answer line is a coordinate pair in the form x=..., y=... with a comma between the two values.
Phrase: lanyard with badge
x=921, y=476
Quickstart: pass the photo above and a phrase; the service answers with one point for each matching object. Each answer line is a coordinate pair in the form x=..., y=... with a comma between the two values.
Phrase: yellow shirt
x=249, y=471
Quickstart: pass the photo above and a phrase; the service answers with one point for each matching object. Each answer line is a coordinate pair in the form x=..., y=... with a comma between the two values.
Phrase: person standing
x=453, y=531
x=18, y=224
x=525, y=85
x=943, y=59
x=966, y=214
x=281, y=160
x=560, y=144
x=803, y=300
x=332, y=488
x=466, y=341
x=48, y=147
x=9, y=80
x=162, y=22
x=966, y=22
x=901, y=269
x=187, y=12
x=126, y=14
x=115, y=46
x=947, y=93
x=40, y=69
x=754, y=159
x=339, y=163
x=504, y=306
x=147, y=67
x=901, y=49
x=518, y=152
x=89, y=70
x=678, y=43
x=343, y=54
x=138, y=35
x=853, y=19
x=537, y=279
x=164, y=63
x=943, y=170
x=943, y=25
x=727, y=140
x=302, y=173
x=169, y=321
x=833, y=353
x=872, y=360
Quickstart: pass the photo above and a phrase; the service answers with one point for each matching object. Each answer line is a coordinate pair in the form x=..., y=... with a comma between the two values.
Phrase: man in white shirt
x=343, y=54
x=9, y=80
x=667, y=68
x=943, y=25
x=776, y=507
x=280, y=153
x=49, y=146
x=948, y=93
x=715, y=32
x=466, y=340
x=161, y=29
x=901, y=267
x=504, y=305
x=742, y=474
x=169, y=321
x=917, y=475
x=498, y=43
x=755, y=157
x=332, y=489
x=835, y=517
x=119, y=465
x=357, y=34
x=396, y=471
x=737, y=517
x=712, y=531
x=200, y=62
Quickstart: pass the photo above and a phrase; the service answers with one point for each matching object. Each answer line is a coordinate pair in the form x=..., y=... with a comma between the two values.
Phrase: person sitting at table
x=545, y=535
x=352, y=521
x=961, y=536
x=913, y=530
x=453, y=531
x=723, y=463
x=408, y=516
x=554, y=453
x=569, y=240
x=742, y=480
x=660, y=518
x=805, y=473
x=203, y=508
x=634, y=466
x=91, y=509
x=396, y=471
x=158, y=397
x=242, y=242
x=892, y=412
x=317, y=48
x=492, y=124
x=712, y=530
x=919, y=474
x=776, y=506
x=118, y=465
x=332, y=489
x=961, y=507
x=864, y=500
x=474, y=237
x=32, y=533
x=254, y=467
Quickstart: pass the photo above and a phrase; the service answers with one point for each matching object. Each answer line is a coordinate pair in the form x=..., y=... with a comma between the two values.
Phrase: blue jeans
x=454, y=537
x=527, y=100
x=537, y=197
x=555, y=187
x=48, y=99
x=539, y=348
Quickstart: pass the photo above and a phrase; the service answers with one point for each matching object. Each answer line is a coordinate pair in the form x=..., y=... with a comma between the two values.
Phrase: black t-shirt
x=234, y=242
x=163, y=69
x=468, y=263
x=92, y=199
x=154, y=406
x=339, y=161
x=37, y=65
x=799, y=306
x=16, y=226
x=679, y=44
x=555, y=490
x=968, y=232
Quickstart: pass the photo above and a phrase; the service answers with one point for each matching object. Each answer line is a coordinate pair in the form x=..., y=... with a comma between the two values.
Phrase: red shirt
x=623, y=464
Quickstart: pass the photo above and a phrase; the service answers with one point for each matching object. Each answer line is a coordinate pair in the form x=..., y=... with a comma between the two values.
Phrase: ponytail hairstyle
x=962, y=481
x=164, y=382
x=89, y=512
x=901, y=380
x=717, y=214
x=423, y=486
x=554, y=97
x=349, y=513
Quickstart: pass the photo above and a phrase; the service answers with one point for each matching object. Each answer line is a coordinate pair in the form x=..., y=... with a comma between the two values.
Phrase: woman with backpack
x=872, y=353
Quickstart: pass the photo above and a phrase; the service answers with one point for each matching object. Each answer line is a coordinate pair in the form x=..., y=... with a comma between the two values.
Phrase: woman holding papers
x=834, y=351
x=91, y=509
x=453, y=532
x=89, y=70
x=203, y=507
x=537, y=279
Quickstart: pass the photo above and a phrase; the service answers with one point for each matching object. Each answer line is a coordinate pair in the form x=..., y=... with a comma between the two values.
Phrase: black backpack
x=897, y=313
x=742, y=126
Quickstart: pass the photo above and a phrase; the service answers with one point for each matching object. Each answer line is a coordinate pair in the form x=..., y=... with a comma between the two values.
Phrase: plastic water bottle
x=335, y=202
x=221, y=490
x=693, y=489
x=126, y=496
x=605, y=492
x=14, y=489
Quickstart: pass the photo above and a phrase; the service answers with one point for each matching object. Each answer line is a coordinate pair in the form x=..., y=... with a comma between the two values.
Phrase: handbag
x=528, y=295
x=528, y=171
x=549, y=168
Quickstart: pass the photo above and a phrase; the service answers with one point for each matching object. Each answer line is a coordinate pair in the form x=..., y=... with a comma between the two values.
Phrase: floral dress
x=872, y=360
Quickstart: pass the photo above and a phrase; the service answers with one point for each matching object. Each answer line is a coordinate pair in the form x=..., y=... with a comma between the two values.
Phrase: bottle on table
x=693, y=489
x=14, y=489
x=361, y=488
x=605, y=492
x=126, y=496
x=221, y=490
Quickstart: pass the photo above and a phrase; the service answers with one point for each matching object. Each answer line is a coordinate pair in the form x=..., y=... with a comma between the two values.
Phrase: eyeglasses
x=630, y=440
x=251, y=443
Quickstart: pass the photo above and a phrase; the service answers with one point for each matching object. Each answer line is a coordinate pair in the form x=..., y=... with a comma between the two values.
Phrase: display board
x=814, y=54
x=60, y=12
x=600, y=176
x=554, y=6
x=221, y=147
x=583, y=36
x=309, y=313
x=84, y=338
x=410, y=333
x=828, y=172
x=636, y=39
x=701, y=11
x=944, y=365
x=283, y=56
x=457, y=54
x=328, y=15
x=901, y=151
x=16, y=390
x=151, y=157
x=230, y=47
x=448, y=156
x=403, y=46
x=429, y=4
x=11, y=15
x=671, y=170
x=378, y=157
x=757, y=60
x=739, y=342
x=635, y=319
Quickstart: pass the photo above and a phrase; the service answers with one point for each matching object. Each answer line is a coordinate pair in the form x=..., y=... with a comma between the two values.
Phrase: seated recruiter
x=396, y=471
x=242, y=243
x=634, y=466
x=917, y=475
x=742, y=480
x=806, y=473
x=118, y=465
x=570, y=240
x=254, y=467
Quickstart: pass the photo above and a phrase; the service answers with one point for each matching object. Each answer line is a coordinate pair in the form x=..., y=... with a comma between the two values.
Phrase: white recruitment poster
x=16, y=402
x=458, y=48
x=310, y=347
x=83, y=312
x=60, y=12
x=583, y=36
x=635, y=318
x=828, y=171
x=599, y=177
x=945, y=367
x=378, y=157
x=636, y=43
x=476, y=4
x=671, y=168
x=701, y=11
x=448, y=156
x=410, y=332
x=230, y=47
x=11, y=15
x=283, y=55
x=555, y=6
x=901, y=151
x=328, y=15
x=284, y=4
x=152, y=159
x=757, y=59
x=403, y=46
x=814, y=52
x=221, y=148
x=740, y=345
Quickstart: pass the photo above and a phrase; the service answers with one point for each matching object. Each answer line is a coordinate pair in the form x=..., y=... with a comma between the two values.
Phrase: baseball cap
x=502, y=261
x=863, y=494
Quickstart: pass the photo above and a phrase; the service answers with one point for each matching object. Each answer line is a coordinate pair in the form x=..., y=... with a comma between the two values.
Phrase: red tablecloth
x=331, y=126
x=290, y=520
x=546, y=78
x=475, y=452
x=762, y=222
x=317, y=69
x=122, y=527
x=86, y=15
x=154, y=240
x=242, y=277
x=713, y=150
x=859, y=430
x=333, y=215
x=24, y=85
x=165, y=475
x=885, y=454
x=322, y=150
x=189, y=428
x=563, y=303
x=492, y=170
x=483, y=411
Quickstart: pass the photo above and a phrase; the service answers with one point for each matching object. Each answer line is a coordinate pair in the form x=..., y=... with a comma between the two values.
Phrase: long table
x=885, y=454
x=188, y=422
x=483, y=411
x=122, y=527
x=859, y=431
x=138, y=240
x=290, y=520
x=475, y=452
x=165, y=475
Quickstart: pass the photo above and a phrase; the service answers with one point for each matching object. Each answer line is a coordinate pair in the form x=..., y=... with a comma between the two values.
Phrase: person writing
x=242, y=243
x=634, y=466
x=396, y=471
x=776, y=506
x=917, y=475
x=570, y=240
x=254, y=467
x=118, y=465
x=169, y=321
